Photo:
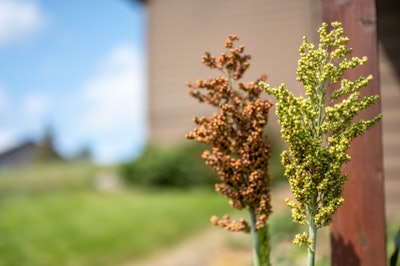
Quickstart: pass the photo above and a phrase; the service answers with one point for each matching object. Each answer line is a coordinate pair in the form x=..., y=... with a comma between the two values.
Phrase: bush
x=180, y=166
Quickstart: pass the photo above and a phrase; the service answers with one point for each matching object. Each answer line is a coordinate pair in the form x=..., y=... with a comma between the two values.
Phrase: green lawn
x=70, y=223
x=53, y=215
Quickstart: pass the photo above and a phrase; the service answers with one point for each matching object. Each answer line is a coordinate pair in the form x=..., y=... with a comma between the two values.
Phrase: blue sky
x=78, y=66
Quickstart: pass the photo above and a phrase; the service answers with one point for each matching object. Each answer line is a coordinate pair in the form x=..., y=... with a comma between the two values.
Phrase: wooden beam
x=358, y=231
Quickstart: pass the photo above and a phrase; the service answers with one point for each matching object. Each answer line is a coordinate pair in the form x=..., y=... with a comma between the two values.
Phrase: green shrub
x=179, y=166
x=182, y=166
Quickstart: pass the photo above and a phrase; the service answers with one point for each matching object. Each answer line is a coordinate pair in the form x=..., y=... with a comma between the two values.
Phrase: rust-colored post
x=358, y=231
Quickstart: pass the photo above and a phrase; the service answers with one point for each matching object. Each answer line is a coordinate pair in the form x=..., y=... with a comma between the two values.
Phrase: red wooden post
x=358, y=231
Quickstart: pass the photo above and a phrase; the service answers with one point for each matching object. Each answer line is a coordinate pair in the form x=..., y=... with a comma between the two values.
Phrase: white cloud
x=3, y=101
x=7, y=139
x=35, y=105
x=33, y=112
x=18, y=19
x=114, y=103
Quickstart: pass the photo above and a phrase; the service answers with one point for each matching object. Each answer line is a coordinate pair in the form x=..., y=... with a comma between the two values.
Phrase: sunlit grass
x=46, y=178
x=61, y=226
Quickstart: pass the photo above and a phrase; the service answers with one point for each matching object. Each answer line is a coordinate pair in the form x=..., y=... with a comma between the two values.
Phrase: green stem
x=312, y=233
x=255, y=239
x=320, y=104
x=263, y=236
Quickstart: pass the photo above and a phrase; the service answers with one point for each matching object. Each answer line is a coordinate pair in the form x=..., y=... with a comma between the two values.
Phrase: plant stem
x=265, y=248
x=255, y=239
x=312, y=233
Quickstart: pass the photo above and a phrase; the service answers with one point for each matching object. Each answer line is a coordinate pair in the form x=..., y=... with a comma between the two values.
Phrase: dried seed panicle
x=239, y=148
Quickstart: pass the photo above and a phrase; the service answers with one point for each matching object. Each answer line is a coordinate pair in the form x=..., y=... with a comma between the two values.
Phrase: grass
x=392, y=229
x=53, y=215
x=70, y=223
x=46, y=178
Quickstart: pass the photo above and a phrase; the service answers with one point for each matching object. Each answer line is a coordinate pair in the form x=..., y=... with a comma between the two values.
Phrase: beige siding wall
x=180, y=31
x=390, y=93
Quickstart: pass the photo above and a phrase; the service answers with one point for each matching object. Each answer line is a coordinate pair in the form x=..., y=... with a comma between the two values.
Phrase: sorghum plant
x=239, y=149
x=319, y=129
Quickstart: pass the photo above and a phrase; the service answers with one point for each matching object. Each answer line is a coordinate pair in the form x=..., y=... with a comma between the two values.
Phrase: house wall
x=390, y=95
x=180, y=31
x=19, y=156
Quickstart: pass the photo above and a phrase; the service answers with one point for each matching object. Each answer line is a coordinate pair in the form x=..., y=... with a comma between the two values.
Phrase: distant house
x=18, y=156
x=28, y=152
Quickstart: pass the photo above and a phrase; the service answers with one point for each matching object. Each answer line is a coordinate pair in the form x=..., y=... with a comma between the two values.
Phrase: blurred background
x=77, y=69
x=94, y=167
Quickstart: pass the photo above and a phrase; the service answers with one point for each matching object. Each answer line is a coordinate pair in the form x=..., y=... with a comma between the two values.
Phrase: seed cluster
x=239, y=149
x=319, y=127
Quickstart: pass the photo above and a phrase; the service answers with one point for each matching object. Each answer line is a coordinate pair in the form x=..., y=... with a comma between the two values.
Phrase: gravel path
x=214, y=247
